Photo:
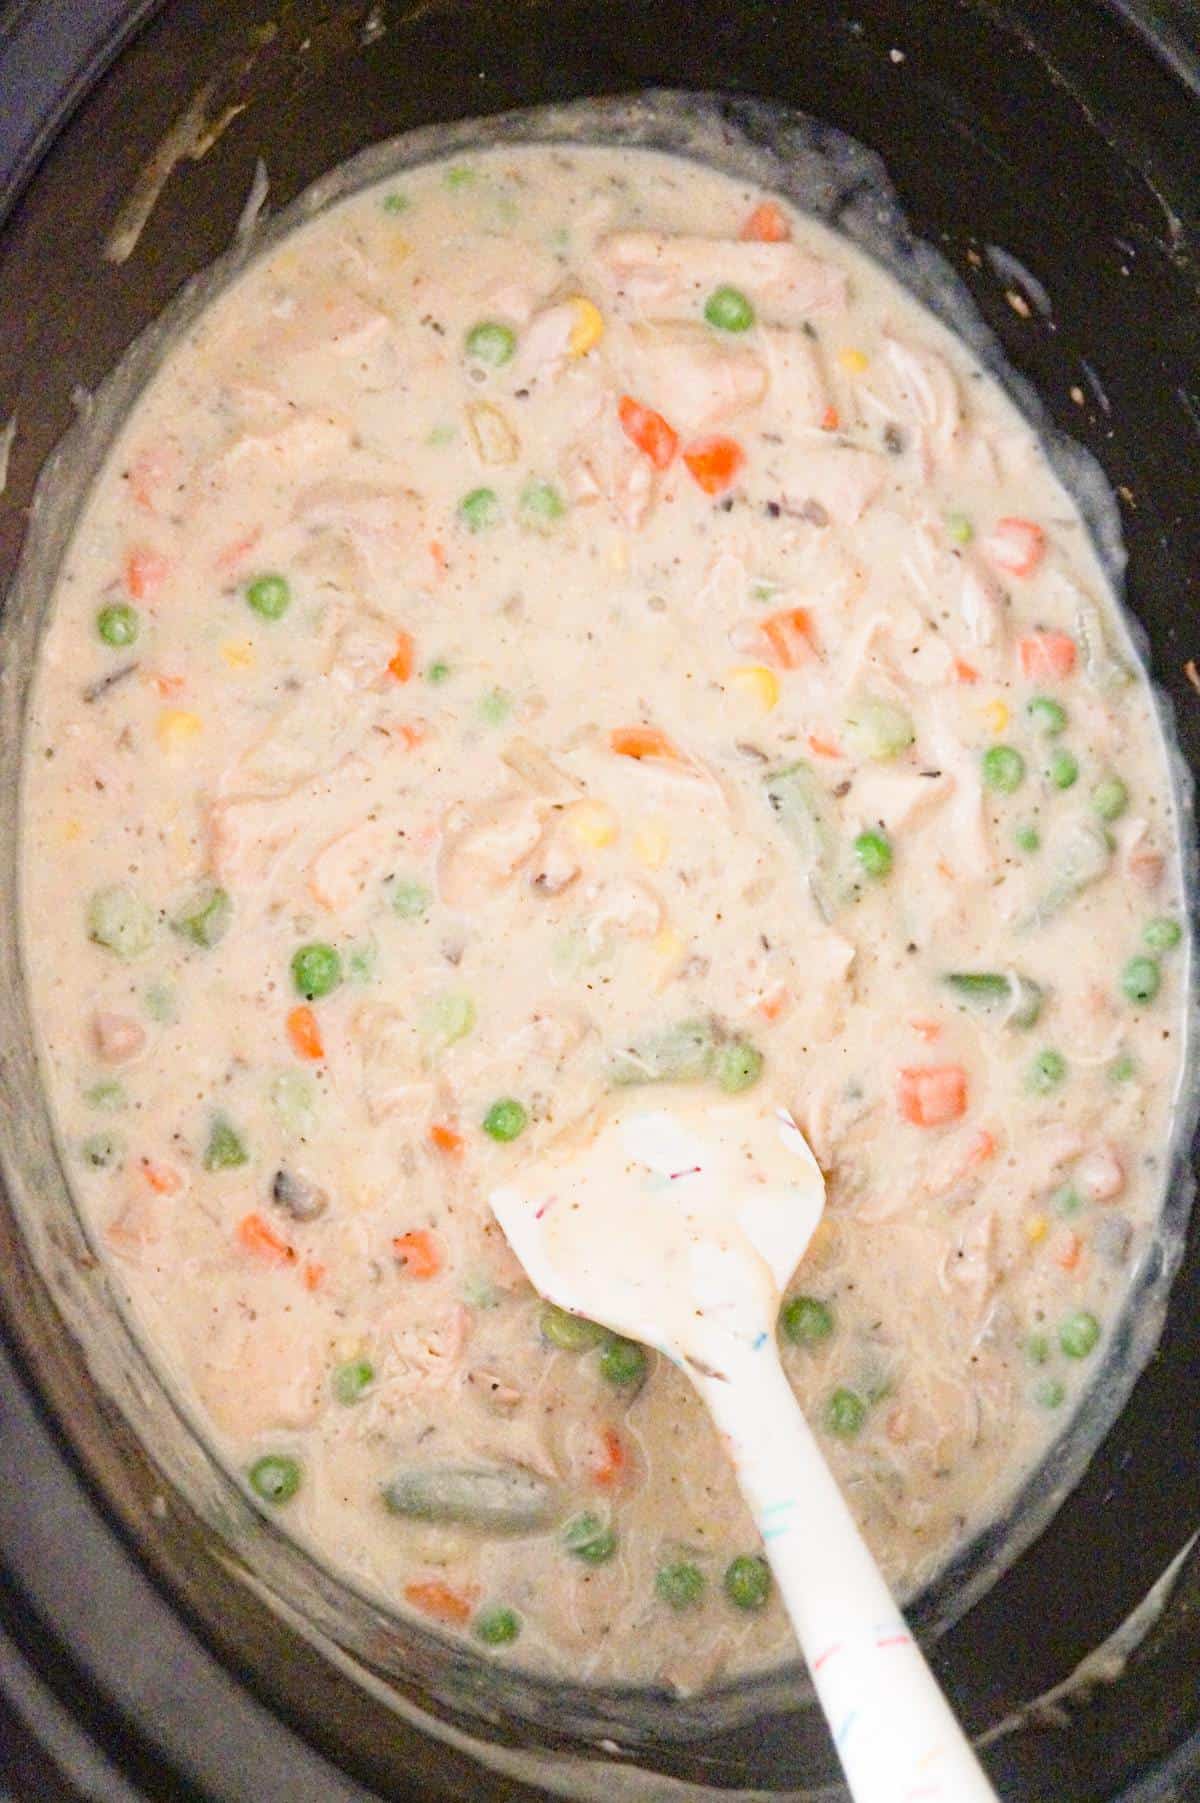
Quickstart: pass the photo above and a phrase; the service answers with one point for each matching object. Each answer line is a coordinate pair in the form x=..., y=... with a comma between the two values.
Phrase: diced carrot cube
x=648, y=430
x=420, y=1253
x=304, y=1034
x=1017, y=546
x=1047, y=656
x=767, y=224
x=932, y=1095
x=715, y=463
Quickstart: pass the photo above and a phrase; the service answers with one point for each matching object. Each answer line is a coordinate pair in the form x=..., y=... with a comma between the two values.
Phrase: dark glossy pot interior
x=1057, y=133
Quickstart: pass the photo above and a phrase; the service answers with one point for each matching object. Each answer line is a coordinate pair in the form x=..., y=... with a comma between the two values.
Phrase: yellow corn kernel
x=238, y=654
x=593, y=822
x=399, y=250
x=588, y=329
x=996, y=716
x=1036, y=1229
x=853, y=362
x=70, y=831
x=667, y=943
x=651, y=843
x=175, y=726
x=757, y=684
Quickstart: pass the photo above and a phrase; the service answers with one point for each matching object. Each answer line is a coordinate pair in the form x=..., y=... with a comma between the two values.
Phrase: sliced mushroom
x=298, y=1197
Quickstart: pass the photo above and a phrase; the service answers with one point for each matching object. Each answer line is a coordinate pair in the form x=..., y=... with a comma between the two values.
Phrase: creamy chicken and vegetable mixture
x=562, y=621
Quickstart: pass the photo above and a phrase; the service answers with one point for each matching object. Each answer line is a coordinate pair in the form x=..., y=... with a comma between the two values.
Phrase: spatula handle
x=894, y=1732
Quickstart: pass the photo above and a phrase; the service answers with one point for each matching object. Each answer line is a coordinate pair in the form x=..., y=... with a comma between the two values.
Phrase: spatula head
x=677, y=1223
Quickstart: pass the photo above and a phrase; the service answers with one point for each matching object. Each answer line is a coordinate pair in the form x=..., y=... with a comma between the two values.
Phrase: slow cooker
x=157, y=1639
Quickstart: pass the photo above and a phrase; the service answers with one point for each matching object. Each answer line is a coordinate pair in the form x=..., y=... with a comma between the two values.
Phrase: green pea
x=506, y=1119
x=1027, y=837
x=270, y=595
x=1123, y=1069
x=588, y=1538
x=461, y=176
x=495, y=707
x=1079, y=1333
x=623, y=1364
x=448, y=1018
x=480, y=510
x=1063, y=769
x=361, y=961
x=491, y=344
x=806, y=1321
x=275, y=1477
x=119, y=920
x=205, y=919
x=960, y=528
x=747, y=1581
x=352, y=1380
x=1163, y=934
x=410, y=900
x=1110, y=798
x=541, y=505
x=1046, y=1072
x=496, y=1627
x=845, y=1413
x=108, y=1095
x=729, y=310
x=736, y=1066
x=681, y=1586
x=1067, y=1202
x=437, y=673
x=316, y=971
x=225, y=1150
x=1047, y=715
x=874, y=854
x=1141, y=979
x=570, y=1333
x=118, y=624
x=1003, y=769
x=160, y=1003
x=1049, y=1394
x=1037, y=1348
x=103, y=1151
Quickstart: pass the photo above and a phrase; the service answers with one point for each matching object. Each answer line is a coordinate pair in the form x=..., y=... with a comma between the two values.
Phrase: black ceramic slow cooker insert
x=133, y=1633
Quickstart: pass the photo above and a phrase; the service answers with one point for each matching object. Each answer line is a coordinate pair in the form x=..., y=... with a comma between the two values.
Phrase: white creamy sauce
x=596, y=609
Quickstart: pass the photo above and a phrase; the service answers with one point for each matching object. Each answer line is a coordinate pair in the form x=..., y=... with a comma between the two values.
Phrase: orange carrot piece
x=314, y=1274
x=437, y=552
x=774, y=1003
x=767, y=224
x=232, y=554
x=608, y=1458
x=1066, y=1248
x=790, y=637
x=1017, y=546
x=982, y=1147
x=644, y=742
x=715, y=462
x=152, y=469
x=145, y=573
x=831, y=419
x=928, y=1030
x=258, y=1236
x=161, y=1178
x=648, y=430
x=403, y=658
x=413, y=733
x=447, y=1139
x=168, y=686
x=420, y=1253
x=932, y=1095
x=440, y=1602
x=965, y=672
x=823, y=748
x=304, y=1034
x=1046, y=656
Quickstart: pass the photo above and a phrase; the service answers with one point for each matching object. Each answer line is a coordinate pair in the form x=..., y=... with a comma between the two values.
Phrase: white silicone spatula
x=678, y=1222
